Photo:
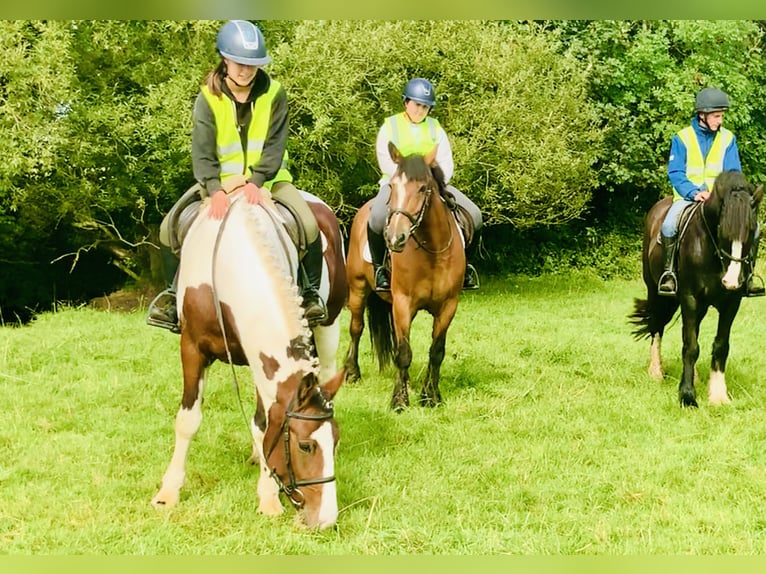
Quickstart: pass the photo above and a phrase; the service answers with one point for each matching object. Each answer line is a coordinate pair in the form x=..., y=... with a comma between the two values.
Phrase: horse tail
x=381, y=326
x=641, y=317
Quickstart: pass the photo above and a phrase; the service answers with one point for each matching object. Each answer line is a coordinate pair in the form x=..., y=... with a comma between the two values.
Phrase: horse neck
x=269, y=316
x=436, y=224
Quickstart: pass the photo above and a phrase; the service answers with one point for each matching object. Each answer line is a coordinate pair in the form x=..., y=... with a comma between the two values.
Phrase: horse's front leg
x=357, y=299
x=430, y=396
x=268, y=491
x=402, y=322
x=188, y=420
x=717, y=392
x=692, y=317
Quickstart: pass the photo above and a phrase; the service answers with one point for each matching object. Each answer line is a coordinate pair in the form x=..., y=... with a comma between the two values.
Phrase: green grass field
x=552, y=439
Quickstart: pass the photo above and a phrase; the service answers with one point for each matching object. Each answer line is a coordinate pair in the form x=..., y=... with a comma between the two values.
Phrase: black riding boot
x=315, y=309
x=754, y=286
x=471, y=277
x=378, y=255
x=668, y=284
x=162, y=310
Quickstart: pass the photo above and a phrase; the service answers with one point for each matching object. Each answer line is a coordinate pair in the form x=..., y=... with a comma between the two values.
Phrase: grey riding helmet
x=242, y=42
x=711, y=100
x=419, y=90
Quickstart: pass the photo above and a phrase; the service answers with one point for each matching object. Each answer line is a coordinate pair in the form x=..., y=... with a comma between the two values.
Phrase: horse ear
x=430, y=158
x=757, y=196
x=306, y=388
x=396, y=156
x=331, y=387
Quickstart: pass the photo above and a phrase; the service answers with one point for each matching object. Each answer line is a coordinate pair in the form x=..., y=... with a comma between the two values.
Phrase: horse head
x=303, y=434
x=732, y=209
x=412, y=186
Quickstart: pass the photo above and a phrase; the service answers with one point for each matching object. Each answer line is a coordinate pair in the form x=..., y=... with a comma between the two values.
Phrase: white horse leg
x=717, y=394
x=268, y=491
x=327, y=341
x=187, y=424
x=655, y=358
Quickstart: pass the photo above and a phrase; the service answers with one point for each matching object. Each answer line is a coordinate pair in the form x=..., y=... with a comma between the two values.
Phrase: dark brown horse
x=239, y=303
x=712, y=269
x=427, y=267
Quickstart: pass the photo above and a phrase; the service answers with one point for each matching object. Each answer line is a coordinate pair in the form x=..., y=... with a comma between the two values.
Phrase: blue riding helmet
x=242, y=42
x=420, y=90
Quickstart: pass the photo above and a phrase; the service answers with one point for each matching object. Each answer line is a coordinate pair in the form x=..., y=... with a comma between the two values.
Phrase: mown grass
x=552, y=440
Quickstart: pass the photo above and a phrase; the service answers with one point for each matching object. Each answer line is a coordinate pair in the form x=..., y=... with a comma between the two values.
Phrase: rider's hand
x=702, y=195
x=253, y=193
x=219, y=204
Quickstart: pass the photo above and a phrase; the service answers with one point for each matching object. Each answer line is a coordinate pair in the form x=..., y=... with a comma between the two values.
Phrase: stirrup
x=667, y=290
x=166, y=318
x=471, y=278
x=311, y=299
x=754, y=286
x=382, y=282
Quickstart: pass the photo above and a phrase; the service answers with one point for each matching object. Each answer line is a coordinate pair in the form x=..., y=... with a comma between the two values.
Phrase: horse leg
x=692, y=317
x=326, y=342
x=402, y=322
x=188, y=420
x=662, y=311
x=268, y=491
x=717, y=393
x=430, y=396
x=357, y=298
x=655, y=358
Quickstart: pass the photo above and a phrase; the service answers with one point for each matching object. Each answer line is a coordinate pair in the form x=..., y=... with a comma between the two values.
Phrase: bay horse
x=427, y=267
x=713, y=237
x=239, y=303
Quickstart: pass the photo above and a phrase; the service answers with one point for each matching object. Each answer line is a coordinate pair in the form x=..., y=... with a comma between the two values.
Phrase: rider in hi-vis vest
x=239, y=141
x=698, y=154
x=413, y=131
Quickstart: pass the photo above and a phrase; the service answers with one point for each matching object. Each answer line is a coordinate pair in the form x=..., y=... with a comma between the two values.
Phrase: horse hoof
x=166, y=501
x=430, y=402
x=689, y=402
x=352, y=377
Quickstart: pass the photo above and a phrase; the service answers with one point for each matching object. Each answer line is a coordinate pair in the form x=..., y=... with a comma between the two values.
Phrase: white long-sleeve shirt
x=388, y=167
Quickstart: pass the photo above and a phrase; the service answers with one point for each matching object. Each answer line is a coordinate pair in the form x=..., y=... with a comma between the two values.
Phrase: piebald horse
x=427, y=268
x=239, y=303
x=713, y=261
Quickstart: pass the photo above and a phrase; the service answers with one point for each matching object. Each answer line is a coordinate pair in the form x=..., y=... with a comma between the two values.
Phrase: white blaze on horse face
x=328, y=509
x=731, y=279
x=398, y=229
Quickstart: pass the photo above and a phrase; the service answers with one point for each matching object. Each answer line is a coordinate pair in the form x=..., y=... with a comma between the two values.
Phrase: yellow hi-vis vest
x=412, y=138
x=232, y=158
x=700, y=170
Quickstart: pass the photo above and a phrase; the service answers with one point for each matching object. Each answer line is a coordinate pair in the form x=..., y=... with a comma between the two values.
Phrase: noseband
x=417, y=219
x=292, y=488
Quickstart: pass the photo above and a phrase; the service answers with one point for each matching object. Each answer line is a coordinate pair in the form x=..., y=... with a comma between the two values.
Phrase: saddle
x=683, y=222
x=186, y=209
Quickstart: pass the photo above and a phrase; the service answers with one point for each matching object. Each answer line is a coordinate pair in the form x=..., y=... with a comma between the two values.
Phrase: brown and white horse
x=239, y=303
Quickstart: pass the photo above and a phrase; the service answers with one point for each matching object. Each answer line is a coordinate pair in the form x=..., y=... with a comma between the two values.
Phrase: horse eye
x=307, y=446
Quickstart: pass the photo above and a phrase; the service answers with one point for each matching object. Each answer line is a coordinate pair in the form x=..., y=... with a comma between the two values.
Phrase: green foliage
x=644, y=76
x=524, y=135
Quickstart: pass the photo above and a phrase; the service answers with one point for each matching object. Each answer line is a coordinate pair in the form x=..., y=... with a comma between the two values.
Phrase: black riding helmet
x=711, y=100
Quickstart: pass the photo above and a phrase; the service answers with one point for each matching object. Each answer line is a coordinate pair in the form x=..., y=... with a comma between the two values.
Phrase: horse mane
x=286, y=290
x=415, y=167
x=734, y=192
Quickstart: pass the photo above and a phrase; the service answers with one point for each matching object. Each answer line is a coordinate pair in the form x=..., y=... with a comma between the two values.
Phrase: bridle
x=417, y=219
x=722, y=254
x=292, y=488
